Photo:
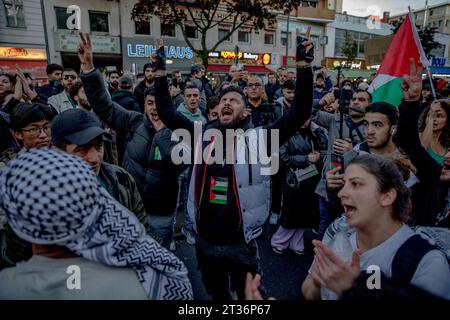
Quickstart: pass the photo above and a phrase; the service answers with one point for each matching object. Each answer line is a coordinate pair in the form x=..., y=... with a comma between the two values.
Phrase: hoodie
x=197, y=116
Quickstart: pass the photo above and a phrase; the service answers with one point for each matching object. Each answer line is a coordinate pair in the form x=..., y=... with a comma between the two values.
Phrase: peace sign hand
x=305, y=49
x=85, y=53
x=412, y=83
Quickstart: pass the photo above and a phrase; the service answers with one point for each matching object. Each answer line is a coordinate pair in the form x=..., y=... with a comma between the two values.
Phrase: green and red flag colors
x=218, y=191
x=405, y=45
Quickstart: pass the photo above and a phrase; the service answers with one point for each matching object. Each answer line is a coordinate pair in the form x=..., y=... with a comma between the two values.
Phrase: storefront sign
x=100, y=44
x=146, y=51
x=22, y=53
x=438, y=61
x=356, y=64
x=244, y=57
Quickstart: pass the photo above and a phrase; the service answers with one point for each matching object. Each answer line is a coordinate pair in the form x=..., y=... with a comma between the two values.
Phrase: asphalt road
x=282, y=274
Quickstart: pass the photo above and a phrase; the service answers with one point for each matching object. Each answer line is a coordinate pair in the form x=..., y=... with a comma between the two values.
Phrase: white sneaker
x=172, y=246
x=190, y=238
x=273, y=220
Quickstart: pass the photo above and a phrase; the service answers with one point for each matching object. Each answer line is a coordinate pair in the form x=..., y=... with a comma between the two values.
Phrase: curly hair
x=444, y=138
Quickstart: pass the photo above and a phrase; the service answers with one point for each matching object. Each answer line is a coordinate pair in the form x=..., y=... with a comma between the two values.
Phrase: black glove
x=302, y=55
x=159, y=62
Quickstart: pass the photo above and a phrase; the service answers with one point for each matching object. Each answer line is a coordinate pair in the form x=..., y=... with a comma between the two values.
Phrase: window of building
x=439, y=23
x=98, y=21
x=142, y=25
x=61, y=17
x=191, y=32
x=431, y=13
x=15, y=16
x=284, y=39
x=358, y=37
x=223, y=32
x=269, y=38
x=167, y=30
x=446, y=23
x=244, y=36
x=312, y=4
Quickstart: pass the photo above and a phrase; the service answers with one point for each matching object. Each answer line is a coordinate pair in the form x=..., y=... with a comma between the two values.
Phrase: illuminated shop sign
x=244, y=57
x=146, y=51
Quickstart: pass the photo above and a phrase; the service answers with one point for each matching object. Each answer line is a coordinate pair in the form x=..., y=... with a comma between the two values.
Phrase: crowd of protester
x=369, y=177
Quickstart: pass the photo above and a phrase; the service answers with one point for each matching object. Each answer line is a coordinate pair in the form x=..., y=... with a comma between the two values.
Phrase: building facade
x=359, y=29
x=22, y=37
x=437, y=16
x=98, y=18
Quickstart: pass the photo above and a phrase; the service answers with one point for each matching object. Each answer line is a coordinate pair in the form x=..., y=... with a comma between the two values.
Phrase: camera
x=344, y=96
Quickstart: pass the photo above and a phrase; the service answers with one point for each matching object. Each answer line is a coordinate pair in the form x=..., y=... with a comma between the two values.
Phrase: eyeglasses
x=71, y=76
x=37, y=131
x=254, y=85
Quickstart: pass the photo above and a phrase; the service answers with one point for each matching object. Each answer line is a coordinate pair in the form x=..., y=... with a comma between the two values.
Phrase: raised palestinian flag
x=405, y=45
x=218, y=192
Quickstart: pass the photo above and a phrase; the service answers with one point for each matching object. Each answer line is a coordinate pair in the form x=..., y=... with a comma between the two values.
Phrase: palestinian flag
x=405, y=45
x=218, y=190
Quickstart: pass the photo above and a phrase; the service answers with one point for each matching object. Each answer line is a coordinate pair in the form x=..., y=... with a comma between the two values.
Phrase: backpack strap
x=408, y=257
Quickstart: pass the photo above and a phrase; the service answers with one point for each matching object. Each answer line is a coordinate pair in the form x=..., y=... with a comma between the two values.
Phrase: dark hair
x=212, y=103
x=113, y=72
x=26, y=113
x=320, y=75
x=444, y=138
x=388, y=177
x=61, y=144
x=74, y=89
x=52, y=67
x=11, y=78
x=366, y=92
x=150, y=91
x=175, y=71
x=384, y=108
x=191, y=86
x=289, y=84
x=234, y=89
x=69, y=70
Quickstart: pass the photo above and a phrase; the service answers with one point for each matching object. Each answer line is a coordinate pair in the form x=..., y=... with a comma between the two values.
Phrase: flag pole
x=430, y=75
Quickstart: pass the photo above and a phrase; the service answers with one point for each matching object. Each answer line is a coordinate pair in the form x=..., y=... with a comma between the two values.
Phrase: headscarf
x=51, y=197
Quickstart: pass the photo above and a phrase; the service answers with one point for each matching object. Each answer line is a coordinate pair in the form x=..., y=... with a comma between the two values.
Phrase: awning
x=257, y=69
x=37, y=68
x=218, y=68
x=440, y=70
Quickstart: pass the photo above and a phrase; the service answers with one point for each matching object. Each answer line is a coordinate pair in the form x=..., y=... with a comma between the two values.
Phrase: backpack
x=411, y=252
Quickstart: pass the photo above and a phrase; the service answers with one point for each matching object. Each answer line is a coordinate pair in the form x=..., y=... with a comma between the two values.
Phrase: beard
x=114, y=84
x=149, y=78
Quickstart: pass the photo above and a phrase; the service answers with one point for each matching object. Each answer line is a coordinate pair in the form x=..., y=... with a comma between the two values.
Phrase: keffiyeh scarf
x=51, y=197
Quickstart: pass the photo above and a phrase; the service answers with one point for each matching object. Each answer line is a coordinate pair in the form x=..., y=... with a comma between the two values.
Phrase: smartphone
x=337, y=161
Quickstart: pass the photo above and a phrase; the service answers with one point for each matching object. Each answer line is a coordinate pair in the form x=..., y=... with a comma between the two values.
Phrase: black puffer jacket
x=140, y=143
x=300, y=206
x=126, y=99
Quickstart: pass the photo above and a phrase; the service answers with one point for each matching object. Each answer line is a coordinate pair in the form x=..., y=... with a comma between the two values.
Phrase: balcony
x=315, y=14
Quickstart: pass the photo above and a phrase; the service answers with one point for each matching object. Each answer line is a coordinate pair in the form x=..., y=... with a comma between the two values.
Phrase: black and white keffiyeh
x=51, y=197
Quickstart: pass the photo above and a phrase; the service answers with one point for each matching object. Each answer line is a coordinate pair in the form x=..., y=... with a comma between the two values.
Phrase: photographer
x=262, y=113
x=338, y=142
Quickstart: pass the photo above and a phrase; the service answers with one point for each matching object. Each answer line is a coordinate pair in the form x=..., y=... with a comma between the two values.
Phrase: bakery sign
x=244, y=57
x=22, y=53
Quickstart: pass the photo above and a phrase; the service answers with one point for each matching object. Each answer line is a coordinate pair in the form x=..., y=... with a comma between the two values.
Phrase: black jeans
x=224, y=268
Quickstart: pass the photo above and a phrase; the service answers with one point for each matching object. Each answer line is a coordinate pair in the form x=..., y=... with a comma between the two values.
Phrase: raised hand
x=305, y=50
x=412, y=83
x=85, y=53
x=159, y=58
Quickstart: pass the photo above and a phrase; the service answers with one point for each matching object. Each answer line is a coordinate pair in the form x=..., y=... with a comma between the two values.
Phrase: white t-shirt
x=432, y=273
x=46, y=278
